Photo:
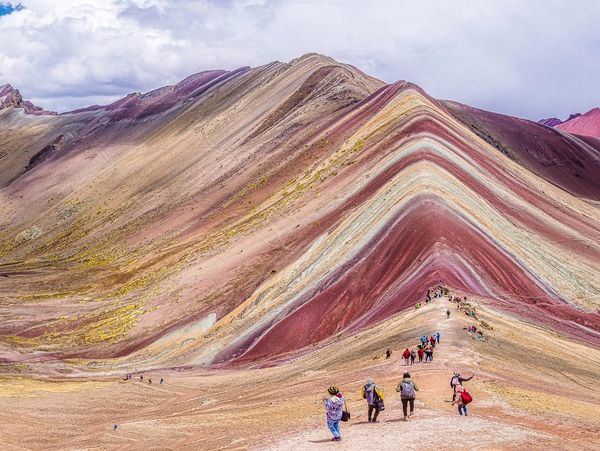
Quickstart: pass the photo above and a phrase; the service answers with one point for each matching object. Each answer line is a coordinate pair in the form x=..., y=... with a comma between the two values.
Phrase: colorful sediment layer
x=247, y=215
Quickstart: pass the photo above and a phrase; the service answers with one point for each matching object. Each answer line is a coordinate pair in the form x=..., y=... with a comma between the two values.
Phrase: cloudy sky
x=534, y=58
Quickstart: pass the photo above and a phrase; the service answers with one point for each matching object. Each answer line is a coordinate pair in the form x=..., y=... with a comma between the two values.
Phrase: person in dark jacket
x=407, y=388
x=413, y=356
x=457, y=380
x=429, y=354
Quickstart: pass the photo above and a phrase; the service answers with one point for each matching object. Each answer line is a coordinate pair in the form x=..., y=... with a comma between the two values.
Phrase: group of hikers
x=424, y=350
x=435, y=293
x=337, y=410
x=129, y=376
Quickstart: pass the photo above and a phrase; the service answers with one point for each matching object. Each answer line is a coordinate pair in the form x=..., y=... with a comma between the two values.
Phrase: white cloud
x=534, y=59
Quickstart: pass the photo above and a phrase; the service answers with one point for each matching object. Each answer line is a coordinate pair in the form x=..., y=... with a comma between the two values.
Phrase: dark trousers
x=371, y=409
x=405, y=405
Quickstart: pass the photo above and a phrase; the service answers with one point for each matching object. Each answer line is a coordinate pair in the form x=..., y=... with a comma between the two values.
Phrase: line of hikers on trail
x=337, y=409
x=435, y=293
x=129, y=376
x=423, y=351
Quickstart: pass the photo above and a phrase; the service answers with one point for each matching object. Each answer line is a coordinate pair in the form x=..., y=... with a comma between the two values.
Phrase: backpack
x=408, y=391
x=413, y=354
x=466, y=397
x=378, y=401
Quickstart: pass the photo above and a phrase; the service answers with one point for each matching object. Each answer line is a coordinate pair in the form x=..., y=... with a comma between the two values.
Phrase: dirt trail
x=517, y=401
x=436, y=424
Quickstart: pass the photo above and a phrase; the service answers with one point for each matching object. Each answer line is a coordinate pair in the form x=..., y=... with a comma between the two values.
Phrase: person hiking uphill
x=421, y=353
x=334, y=407
x=462, y=397
x=407, y=389
x=457, y=380
x=413, y=356
x=388, y=353
x=372, y=393
x=406, y=356
x=429, y=354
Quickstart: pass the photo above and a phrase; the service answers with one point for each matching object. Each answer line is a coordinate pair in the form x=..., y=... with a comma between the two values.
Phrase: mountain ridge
x=219, y=221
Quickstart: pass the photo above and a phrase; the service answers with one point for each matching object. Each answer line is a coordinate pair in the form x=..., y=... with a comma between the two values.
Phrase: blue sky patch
x=8, y=8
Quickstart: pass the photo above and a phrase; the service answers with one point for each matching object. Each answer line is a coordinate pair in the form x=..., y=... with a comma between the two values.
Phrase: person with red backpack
x=406, y=356
x=407, y=389
x=457, y=381
x=462, y=397
x=421, y=353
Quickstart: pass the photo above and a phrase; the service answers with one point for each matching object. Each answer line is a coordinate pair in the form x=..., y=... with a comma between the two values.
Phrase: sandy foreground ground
x=532, y=390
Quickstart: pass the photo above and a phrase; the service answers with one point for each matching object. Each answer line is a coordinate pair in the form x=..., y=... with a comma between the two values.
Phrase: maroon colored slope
x=558, y=158
x=391, y=271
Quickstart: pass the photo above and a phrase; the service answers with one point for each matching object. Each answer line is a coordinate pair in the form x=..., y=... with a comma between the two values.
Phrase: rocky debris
x=45, y=152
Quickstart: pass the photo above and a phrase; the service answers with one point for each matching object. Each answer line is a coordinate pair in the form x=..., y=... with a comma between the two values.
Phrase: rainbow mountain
x=246, y=217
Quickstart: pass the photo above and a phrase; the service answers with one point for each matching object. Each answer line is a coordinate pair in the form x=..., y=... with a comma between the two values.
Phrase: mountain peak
x=587, y=124
x=11, y=97
x=314, y=56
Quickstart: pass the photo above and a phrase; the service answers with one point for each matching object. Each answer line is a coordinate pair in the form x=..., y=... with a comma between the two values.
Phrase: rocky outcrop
x=550, y=122
x=11, y=97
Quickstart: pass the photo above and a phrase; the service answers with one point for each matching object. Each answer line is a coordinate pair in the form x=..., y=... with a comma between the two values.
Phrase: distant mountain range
x=587, y=124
